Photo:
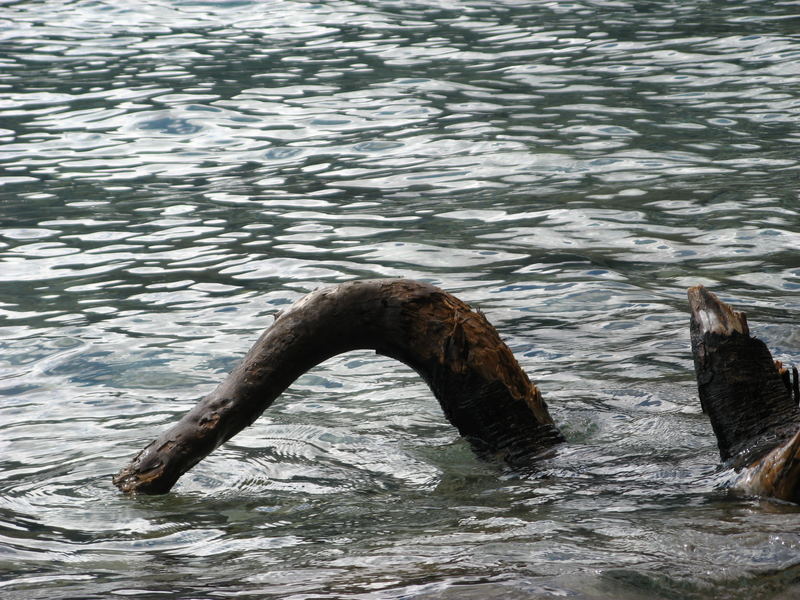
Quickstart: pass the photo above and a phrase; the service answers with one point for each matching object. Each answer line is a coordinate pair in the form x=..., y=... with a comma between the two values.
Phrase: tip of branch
x=145, y=476
x=712, y=315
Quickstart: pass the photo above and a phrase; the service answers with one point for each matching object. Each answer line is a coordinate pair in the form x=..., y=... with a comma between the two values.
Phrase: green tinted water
x=172, y=173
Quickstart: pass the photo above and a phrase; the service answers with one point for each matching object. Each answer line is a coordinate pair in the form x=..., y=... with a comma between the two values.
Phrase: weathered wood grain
x=471, y=371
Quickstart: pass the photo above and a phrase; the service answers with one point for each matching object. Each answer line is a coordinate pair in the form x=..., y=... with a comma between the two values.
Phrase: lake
x=174, y=173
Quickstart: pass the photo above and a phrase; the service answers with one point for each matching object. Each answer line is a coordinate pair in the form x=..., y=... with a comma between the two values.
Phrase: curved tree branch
x=478, y=382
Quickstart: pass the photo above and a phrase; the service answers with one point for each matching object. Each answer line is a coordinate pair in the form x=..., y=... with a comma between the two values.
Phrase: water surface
x=172, y=173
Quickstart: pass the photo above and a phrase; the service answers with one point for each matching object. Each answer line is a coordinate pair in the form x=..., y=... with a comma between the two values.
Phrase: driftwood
x=478, y=382
x=750, y=399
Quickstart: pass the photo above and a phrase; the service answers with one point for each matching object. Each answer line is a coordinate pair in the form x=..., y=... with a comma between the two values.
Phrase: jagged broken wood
x=751, y=400
x=474, y=375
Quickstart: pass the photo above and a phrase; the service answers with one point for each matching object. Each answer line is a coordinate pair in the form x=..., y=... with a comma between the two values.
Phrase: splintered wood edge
x=776, y=475
x=712, y=315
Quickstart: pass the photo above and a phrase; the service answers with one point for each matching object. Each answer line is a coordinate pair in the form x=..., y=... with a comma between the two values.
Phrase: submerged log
x=750, y=399
x=474, y=375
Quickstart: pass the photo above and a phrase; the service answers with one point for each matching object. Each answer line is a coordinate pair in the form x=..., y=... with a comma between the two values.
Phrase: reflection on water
x=173, y=173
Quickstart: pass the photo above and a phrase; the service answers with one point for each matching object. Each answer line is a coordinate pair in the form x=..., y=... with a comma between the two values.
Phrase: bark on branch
x=478, y=382
x=749, y=398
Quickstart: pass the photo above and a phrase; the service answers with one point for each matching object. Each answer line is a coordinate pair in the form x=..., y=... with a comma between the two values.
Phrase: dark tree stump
x=478, y=382
x=748, y=397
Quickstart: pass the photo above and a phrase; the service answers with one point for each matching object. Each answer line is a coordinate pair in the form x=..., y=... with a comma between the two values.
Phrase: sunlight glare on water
x=173, y=173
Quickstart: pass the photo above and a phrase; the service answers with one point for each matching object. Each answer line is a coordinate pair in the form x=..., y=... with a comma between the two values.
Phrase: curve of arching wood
x=474, y=375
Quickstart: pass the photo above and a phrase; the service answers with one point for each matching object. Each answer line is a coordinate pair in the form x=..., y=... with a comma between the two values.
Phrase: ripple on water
x=173, y=174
